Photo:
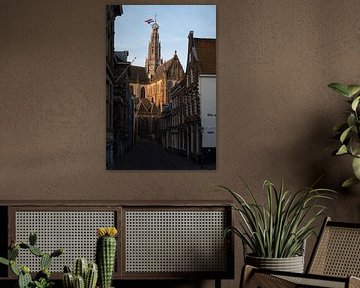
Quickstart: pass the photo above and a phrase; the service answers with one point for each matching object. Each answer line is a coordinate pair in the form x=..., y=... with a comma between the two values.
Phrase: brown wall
x=275, y=113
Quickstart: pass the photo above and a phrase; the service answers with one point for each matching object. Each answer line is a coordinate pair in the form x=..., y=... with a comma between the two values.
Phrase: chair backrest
x=337, y=251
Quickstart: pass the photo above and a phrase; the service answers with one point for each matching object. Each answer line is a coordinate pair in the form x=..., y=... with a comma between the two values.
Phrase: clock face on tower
x=151, y=67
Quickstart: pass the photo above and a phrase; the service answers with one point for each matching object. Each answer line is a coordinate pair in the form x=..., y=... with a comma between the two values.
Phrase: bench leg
x=217, y=283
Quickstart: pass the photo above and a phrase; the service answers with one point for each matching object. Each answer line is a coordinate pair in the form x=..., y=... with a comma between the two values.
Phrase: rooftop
x=206, y=52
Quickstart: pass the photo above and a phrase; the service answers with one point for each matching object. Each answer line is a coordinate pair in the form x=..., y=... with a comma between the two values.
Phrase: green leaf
x=351, y=120
x=340, y=88
x=14, y=268
x=356, y=167
x=349, y=182
x=342, y=150
x=279, y=228
x=355, y=103
x=353, y=89
x=4, y=261
x=354, y=145
x=345, y=134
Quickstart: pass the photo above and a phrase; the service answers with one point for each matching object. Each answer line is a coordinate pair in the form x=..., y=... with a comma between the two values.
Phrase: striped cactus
x=79, y=282
x=91, y=276
x=68, y=280
x=106, y=254
x=81, y=266
x=84, y=275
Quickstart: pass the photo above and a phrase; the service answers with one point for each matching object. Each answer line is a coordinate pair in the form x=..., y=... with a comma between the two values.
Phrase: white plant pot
x=291, y=264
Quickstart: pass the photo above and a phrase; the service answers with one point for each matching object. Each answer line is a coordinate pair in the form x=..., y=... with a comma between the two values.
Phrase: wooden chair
x=334, y=263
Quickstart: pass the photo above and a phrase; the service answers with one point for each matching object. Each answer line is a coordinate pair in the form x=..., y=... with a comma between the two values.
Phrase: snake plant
x=348, y=132
x=279, y=228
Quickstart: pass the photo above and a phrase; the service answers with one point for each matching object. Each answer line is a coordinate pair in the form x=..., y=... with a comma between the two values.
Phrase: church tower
x=154, y=52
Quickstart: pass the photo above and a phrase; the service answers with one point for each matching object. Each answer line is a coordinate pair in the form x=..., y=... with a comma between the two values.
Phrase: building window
x=143, y=92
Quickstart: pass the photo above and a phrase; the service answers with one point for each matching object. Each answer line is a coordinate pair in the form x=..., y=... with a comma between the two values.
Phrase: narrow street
x=150, y=155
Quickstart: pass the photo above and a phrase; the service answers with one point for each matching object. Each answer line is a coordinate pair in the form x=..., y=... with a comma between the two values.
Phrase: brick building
x=112, y=11
x=188, y=126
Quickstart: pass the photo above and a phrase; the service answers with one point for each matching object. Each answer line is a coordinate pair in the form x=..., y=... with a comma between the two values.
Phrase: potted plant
x=348, y=132
x=276, y=233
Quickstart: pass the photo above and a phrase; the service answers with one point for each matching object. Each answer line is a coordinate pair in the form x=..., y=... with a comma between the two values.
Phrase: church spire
x=154, y=51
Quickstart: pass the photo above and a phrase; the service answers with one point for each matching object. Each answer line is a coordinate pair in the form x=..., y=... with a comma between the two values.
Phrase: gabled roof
x=178, y=86
x=206, y=52
x=138, y=75
x=161, y=69
x=121, y=56
x=165, y=67
x=146, y=107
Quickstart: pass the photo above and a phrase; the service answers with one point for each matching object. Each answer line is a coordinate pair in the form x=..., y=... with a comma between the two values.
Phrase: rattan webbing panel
x=338, y=253
x=174, y=241
x=313, y=282
x=75, y=231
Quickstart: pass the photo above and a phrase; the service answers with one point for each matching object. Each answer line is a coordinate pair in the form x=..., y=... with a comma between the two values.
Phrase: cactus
x=13, y=253
x=24, y=280
x=32, y=238
x=79, y=282
x=88, y=273
x=105, y=254
x=45, y=261
x=24, y=245
x=44, y=273
x=57, y=252
x=91, y=276
x=67, y=269
x=68, y=280
x=80, y=268
x=36, y=251
x=42, y=278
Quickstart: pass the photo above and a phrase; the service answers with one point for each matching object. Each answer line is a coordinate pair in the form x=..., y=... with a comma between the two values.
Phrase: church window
x=142, y=92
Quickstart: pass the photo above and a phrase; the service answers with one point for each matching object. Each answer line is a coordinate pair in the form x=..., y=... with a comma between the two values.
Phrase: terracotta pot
x=291, y=264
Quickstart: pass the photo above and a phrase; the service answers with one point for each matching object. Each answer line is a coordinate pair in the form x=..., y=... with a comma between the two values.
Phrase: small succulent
x=43, y=283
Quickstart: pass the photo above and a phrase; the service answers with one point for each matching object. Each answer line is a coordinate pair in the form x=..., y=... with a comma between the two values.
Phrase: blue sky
x=175, y=21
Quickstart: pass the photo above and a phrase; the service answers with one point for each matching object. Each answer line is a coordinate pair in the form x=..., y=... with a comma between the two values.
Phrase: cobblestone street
x=150, y=155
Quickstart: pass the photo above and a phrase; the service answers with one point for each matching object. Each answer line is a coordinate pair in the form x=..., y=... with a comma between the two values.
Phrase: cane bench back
x=337, y=252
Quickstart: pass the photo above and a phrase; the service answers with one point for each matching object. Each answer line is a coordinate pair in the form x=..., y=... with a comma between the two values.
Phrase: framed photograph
x=161, y=87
